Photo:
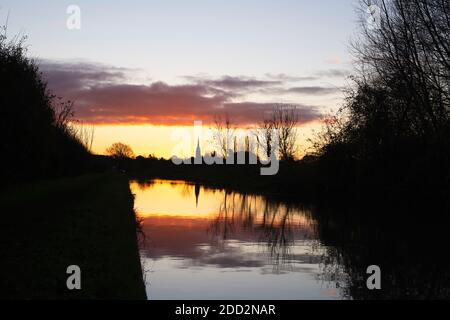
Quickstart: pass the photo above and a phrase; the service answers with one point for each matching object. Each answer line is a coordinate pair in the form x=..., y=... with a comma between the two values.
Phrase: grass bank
x=86, y=221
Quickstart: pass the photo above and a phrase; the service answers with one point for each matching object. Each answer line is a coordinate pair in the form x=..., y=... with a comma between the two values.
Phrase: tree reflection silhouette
x=274, y=224
x=410, y=252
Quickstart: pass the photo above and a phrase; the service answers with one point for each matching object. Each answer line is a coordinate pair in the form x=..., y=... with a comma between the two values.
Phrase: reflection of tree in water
x=410, y=250
x=185, y=190
x=273, y=223
x=144, y=184
x=224, y=224
x=279, y=235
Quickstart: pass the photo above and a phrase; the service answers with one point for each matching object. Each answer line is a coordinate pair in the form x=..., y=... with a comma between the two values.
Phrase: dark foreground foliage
x=37, y=141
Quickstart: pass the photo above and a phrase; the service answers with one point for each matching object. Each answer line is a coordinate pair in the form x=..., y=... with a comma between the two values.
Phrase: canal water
x=204, y=243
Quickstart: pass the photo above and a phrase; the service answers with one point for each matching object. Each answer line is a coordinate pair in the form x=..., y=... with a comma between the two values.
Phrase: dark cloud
x=102, y=95
x=238, y=83
x=235, y=83
x=65, y=77
x=157, y=103
x=240, y=112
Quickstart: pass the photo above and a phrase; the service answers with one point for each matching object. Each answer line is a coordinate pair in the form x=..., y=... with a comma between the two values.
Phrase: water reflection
x=206, y=243
x=203, y=243
x=410, y=246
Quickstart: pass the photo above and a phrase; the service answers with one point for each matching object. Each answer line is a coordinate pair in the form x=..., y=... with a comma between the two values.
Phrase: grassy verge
x=86, y=221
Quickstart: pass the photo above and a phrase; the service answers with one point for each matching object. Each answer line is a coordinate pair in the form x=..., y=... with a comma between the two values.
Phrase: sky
x=141, y=71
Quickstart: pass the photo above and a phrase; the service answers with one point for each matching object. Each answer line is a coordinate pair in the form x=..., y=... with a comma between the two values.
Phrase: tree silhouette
x=284, y=121
x=280, y=125
x=119, y=150
x=37, y=140
x=395, y=124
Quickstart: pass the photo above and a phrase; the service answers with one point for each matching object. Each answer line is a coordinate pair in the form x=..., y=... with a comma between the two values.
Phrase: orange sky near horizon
x=166, y=141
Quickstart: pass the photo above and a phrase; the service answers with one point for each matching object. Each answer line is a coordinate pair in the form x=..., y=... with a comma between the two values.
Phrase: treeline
x=393, y=131
x=37, y=140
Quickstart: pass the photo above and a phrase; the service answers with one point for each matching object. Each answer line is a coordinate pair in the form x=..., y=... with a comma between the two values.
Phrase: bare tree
x=223, y=135
x=280, y=126
x=120, y=151
x=408, y=54
x=284, y=122
x=264, y=137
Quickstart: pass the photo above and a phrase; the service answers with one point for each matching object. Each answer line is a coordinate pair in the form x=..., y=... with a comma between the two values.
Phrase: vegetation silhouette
x=120, y=150
x=393, y=131
x=37, y=138
x=408, y=246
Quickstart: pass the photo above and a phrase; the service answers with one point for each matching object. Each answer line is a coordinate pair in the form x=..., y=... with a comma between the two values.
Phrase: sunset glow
x=142, y=140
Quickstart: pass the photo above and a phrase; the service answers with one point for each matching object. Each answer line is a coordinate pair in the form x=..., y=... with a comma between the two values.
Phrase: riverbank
x=87, y=221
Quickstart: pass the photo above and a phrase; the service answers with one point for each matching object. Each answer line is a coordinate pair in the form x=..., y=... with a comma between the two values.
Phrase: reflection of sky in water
x=208, y=244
